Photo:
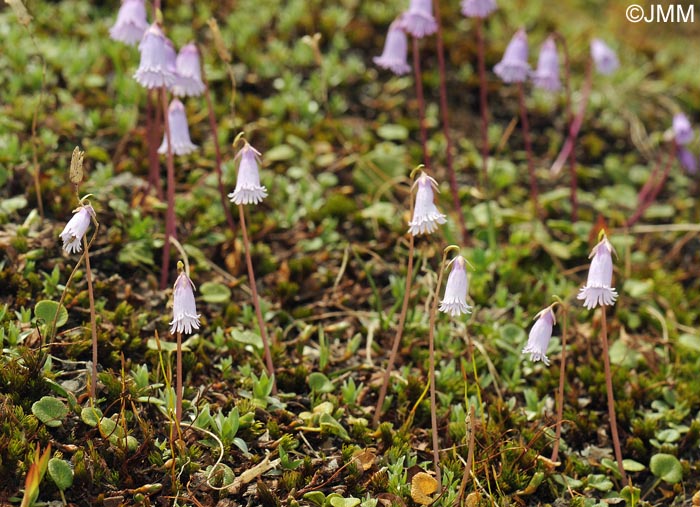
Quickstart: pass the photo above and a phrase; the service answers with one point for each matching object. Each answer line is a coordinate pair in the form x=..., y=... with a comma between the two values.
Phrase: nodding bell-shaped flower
x=75, y=229
x=682, y=130
x=540, y=334
x=189, y=73
x=426, y=216
x=604, y=58
x=154, y=68
x=179, y=131
x=513, y=67
x=478, y=8
x=455, y=300
x=131, y=22
x=687, y=160
x=185, y=317
x=547, y=74
x=419, y=20
x=394, y=56
x=598, y=289
x=248, y=188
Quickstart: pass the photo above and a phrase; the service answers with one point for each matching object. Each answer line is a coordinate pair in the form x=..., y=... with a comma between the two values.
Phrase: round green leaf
x=319, y=382
x=45, y=311
x=393, y=132
x=666, y=467
x=61, y=473
x=213, y=292
x=91, y=416
x=632, y=466
x=345, y=502
x=50, y=411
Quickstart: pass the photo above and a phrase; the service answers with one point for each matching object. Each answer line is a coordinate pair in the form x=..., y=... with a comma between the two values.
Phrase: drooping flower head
x=394, y=56
x=131, y=22
x=682, y=130
x=179, y=131
x=189, y=73
x=455, y=300
x=547, y=74
x=478, y=8
x=419, y=20
x=248, y=188
x=605, y=59
x=513, y=67
x=75, y=229
x=426, y=216
x=598, y=289
x=185, y=317
x=154, y=68
x=687, y=160
x=540, y=334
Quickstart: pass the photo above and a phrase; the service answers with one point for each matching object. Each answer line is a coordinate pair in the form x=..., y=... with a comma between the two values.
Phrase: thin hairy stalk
x=178, y=379
x=483, y=106
x=611, y=396
x=454, y=189
x=217, y=151
x=93, y=320
x=256, y=301
x=525, y=125
x=398, y=336
x=431, y=373
x=170, y=213
x=647, y=196
x=152, y=130
x=560, y=392
x=421, y=101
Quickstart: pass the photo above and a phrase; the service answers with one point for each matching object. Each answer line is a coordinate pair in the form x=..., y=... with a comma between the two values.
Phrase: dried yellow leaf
x=423, y=485
x=76, y=166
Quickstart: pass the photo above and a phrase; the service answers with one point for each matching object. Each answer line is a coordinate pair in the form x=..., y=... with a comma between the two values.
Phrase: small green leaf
x=247, y=337
x=345, y=502
x=213, y=292
x=315, y=497
x=45, y=311
x=600, y=482
x=50, y=411
x=632, y=466
x=320, y=383
x=690, y=341
x=666, y=467
x=280, y=153
x=393, y=132
x=61, y=473
x=91, y=416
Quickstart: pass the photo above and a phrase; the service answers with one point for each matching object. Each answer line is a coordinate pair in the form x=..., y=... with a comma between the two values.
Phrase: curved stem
x=525, y=124
x=560, y=392
x=170, y=213
x=256, y=301
x=399, y=335
x=421, y=101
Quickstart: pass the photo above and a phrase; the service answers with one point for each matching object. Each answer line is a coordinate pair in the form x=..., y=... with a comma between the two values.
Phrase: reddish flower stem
x=454, y=189
x=152, y=131
x=421, y=101
x=256, y=301
x=525, y=124
x=560, y=392
x=649, y=194
x=178, y=380
x=93, y=321
x=170, y=213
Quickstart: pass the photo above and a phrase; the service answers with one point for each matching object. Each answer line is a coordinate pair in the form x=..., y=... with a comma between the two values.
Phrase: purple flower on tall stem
x=682, y=130
x=189, y=72
x=605, y=59
x=179, y=131
x=131, y=22
x=598, y=289
x=154, y=69
x=75, y=229
x=478, y=8
x=540, y=334
x=248, y=188
x=395, y=54
x=513, y=67
x=426, y=216
x=419, y=20
x=455, y=300
x=547, y=74
x=185, y=317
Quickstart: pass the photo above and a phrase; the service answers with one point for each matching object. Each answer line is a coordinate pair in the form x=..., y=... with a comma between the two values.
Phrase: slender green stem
x=93, y=320
x=560, y=392
x=178, y=381
x=256, y=301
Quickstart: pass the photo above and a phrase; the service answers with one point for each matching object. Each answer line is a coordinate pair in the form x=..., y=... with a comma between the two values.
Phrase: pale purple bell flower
x=540, y=335
x=455, y=301
x=170, y=58
x=395, y=54
x=75, y=229
x=605, y=59
x=687, y=160
x=419, y=20
x=478, y=8
x=248, y=188
x=598, y=289
x=131, y=22
x=154, y=69
x=189, y=72
x=426, y=216
x=682, y=130
x=185, y=316
x=179, y=131
x=513, y=67
x=546, y=76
